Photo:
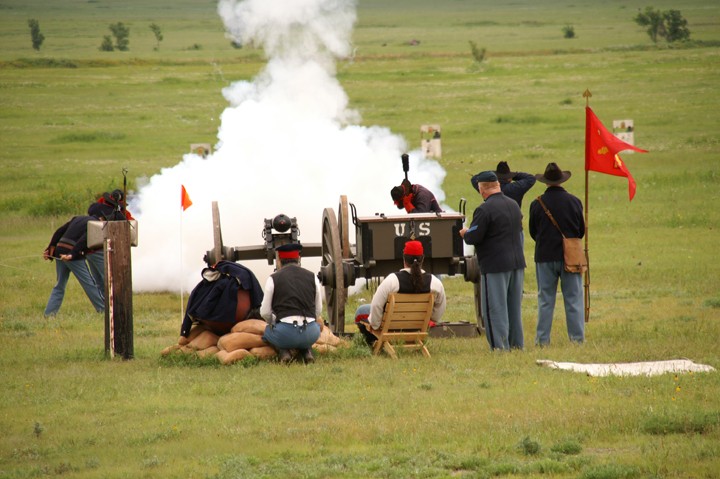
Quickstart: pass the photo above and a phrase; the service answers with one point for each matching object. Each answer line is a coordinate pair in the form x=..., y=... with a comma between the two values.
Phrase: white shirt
x=391, y=285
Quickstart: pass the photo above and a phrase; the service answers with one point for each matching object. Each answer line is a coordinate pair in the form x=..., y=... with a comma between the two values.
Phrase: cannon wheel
x=478, y=308
x=344, y=228
x=335, y=292
x=217, y=235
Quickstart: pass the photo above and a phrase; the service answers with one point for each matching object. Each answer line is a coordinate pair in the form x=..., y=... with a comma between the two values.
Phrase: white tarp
x=647, y=368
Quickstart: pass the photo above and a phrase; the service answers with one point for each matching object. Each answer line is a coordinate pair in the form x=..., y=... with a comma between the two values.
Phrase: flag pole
x=586, y=285
x=182, y=313
x=185, y=203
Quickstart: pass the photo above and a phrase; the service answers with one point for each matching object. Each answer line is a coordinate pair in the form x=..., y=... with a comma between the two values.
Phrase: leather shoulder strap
x=552, y=218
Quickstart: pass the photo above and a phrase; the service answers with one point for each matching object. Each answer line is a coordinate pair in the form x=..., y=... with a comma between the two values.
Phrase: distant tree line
x=668, y=24
x=120, y=33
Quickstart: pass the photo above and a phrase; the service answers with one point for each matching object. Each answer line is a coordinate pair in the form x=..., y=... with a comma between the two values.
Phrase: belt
x=65, y=245
x=295, y=322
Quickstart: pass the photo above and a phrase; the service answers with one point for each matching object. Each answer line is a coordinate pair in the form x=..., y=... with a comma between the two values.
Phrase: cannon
x=377, y=252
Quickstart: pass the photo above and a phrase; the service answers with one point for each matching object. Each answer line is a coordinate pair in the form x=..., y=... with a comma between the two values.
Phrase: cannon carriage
x=377, y=251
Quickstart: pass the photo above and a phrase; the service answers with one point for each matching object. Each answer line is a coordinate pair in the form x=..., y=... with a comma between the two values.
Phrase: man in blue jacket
x=495, y=232
x=568, y=212
x=514, y=184
x=68, y=247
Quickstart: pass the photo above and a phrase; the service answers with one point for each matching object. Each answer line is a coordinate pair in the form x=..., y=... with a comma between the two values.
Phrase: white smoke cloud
x=288, y=143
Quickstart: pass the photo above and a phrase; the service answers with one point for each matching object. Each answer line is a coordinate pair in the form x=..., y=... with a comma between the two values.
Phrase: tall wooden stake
x=118, y=291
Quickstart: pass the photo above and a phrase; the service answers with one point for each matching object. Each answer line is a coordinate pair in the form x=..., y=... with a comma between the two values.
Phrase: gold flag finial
x=587, y=95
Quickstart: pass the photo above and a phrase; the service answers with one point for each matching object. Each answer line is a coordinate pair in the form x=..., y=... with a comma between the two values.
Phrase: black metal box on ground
x=461, y=329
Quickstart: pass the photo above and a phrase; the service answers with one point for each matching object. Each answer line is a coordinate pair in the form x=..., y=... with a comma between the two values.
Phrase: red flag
x=185, y=200
x=602, y=148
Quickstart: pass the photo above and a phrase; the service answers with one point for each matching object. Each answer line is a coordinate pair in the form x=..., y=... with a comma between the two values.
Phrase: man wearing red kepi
x=414, y=198
x=292, y=305
x=411, y=279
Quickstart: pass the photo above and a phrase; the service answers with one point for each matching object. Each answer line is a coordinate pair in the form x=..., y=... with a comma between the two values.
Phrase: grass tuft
x=712, y=303
x=696, y=422
x=529, y=447
x=90, y=137
x=567, y=447
x=611, y=471
x=189, y=360
x=42, y=63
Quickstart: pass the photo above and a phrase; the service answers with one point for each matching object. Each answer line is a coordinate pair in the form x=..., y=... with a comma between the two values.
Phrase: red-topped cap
x=289, y=251
x=413, y=248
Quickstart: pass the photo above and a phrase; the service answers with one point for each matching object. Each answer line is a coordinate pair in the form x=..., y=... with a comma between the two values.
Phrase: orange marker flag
x=602, y=148
x=185, y=200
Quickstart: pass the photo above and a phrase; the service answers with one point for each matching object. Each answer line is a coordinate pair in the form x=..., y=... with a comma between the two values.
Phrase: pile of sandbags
x=245, y=339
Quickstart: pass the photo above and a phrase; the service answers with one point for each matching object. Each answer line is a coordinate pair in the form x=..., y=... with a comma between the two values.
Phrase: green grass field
x=71, y=117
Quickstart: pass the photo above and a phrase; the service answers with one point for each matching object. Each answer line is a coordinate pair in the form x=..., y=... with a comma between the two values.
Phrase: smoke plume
x=288, y=143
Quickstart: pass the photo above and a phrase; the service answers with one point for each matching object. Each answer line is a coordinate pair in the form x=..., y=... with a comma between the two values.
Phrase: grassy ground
x=66, y=411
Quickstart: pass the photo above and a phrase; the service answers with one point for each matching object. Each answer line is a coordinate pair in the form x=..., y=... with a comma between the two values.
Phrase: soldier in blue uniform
x=496, y=233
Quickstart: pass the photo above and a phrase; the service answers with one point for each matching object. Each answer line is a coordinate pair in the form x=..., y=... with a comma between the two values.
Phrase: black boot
x=307, y=356
x=284, y=356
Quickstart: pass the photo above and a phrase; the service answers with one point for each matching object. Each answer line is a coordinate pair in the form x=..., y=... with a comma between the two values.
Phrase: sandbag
x=207, y=352
x=327, y=337
x=170, y=349
x=324, y=348
x=255, y=326
x=194, y=332
x=226, y=357
x=264, y=352
x=233, y=341
x=204, y=340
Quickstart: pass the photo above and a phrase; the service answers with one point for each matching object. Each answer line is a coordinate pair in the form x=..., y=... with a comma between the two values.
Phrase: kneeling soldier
x=292, y=305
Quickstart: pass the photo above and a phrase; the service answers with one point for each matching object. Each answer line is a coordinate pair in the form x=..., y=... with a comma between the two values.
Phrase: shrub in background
x=158, y=34
x=107, y=44
x=37, y=37
x=669, y=24
x=477, y=53
x=122, y=36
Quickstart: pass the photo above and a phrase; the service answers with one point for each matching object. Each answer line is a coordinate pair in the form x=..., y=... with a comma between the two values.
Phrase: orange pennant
x=185, y=200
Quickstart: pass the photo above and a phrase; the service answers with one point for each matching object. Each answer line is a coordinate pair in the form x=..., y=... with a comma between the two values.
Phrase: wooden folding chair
x=404, y=324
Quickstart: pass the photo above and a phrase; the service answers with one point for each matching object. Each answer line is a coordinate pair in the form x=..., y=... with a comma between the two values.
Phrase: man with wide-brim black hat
x=514, y=184
x=292, y=305
x=567, y=210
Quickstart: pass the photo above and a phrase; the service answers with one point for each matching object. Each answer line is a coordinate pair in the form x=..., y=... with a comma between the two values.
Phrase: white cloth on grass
x=647, y=368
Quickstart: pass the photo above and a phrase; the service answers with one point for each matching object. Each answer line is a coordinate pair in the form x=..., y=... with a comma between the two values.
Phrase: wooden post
x=118, y=291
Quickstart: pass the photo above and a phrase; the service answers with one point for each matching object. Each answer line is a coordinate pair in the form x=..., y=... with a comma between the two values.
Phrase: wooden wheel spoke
x=335, y=293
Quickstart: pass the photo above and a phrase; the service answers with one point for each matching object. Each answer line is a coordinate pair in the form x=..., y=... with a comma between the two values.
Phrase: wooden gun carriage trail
x=376, y=253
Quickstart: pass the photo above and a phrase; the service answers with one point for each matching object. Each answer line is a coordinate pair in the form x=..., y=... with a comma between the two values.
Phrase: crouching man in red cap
x=411, y=279
x=292, y=305
x=414, y=198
